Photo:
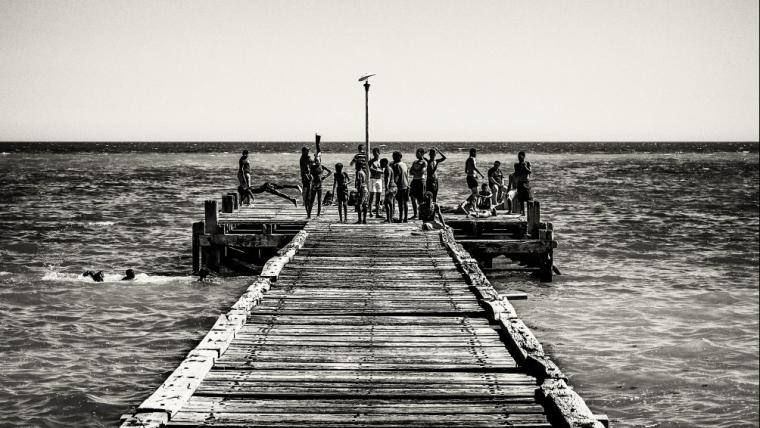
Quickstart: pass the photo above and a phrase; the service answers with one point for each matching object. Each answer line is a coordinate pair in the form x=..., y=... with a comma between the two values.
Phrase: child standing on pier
x=362, y=196
x=431, y=185
x=522, y=180
x=244, y=170
x=375, y=182
x=470, y=169
x=316, y=184
x=389, y=184
x=359, y=160
x=401, y=177
x=417, y=187
x=340, y=190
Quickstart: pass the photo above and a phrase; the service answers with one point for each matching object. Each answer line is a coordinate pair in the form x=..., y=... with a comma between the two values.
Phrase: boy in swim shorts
x=417, y=187
x=375, y=182
x=389, y=184
x=340, y=190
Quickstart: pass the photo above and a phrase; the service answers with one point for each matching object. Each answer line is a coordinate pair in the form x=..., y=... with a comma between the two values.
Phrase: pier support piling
x=197, y=232
x=228, y=203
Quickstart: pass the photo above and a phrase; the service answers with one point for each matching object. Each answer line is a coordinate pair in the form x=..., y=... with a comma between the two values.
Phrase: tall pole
x=366, y=124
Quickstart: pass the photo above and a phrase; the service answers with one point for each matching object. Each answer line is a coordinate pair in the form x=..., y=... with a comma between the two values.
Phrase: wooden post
x=197, y=231
x=547, y=259
x=235, y=202
x=227, y=203
x=366, y=126
x=536, y=218
x=211, y=217
x=529, y=217
x=212, y=255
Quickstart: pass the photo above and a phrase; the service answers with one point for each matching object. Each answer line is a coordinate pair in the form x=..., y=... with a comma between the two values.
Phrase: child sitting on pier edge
x=389, y=184
x=496, y=182
x=429, y=210
x=417, y=187
x=362, y=196
x=340, y=190
x=485, y=200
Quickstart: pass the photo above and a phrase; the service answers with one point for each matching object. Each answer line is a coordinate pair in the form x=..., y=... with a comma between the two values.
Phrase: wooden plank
x=179, y=386
x=273, y=267
x=145, y=420
x=564, y=407
x=369, y=420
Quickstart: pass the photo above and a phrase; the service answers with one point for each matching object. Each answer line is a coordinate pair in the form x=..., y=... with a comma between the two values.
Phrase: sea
x=654, y=319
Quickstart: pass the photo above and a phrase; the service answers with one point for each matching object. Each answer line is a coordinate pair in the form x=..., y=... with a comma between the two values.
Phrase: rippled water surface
x=655, y=318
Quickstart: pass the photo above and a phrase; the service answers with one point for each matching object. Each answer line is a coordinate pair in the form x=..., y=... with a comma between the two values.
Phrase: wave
x=140, y=278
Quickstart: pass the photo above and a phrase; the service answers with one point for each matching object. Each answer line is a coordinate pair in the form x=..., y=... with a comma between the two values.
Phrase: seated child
x=485, y=202
x=428, y=211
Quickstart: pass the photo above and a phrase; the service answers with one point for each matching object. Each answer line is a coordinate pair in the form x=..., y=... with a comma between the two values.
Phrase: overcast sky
x=446, y=70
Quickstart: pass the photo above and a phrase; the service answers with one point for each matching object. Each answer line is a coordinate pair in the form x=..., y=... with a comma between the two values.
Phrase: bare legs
x=343, y=211
x=374, y=197
x=390, y=207
x=316, y=192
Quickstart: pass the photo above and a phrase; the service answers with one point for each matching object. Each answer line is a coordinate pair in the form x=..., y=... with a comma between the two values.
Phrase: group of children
x=387, y=181
x=395, y=184
x=483, y=200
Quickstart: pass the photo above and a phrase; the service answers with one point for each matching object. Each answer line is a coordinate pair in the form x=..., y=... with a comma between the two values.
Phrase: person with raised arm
x=431, y=185
x=417, y=186
x=317, y=177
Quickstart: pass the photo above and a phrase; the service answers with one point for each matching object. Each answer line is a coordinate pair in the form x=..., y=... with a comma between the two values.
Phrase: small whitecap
x=100, y=223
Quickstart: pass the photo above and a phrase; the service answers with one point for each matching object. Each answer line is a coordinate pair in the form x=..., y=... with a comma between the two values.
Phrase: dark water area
x=348, y=147
x=654, y=320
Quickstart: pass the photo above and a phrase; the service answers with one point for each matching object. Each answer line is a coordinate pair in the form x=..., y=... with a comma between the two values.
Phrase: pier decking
x=380, y=325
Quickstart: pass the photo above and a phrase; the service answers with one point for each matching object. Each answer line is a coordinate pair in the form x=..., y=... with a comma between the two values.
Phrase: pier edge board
x=177, y=389
x=563, y=405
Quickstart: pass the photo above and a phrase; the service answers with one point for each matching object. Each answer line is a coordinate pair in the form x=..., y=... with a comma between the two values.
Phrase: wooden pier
x=380, y=325
x=240, y=239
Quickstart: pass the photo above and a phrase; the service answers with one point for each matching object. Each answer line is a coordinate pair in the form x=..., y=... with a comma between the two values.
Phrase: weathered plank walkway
x=379, y=325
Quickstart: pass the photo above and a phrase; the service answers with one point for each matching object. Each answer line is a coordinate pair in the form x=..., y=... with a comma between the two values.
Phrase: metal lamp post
x=365, y=79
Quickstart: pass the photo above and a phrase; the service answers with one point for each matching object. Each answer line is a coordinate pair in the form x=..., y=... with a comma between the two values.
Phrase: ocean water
x=654, y=320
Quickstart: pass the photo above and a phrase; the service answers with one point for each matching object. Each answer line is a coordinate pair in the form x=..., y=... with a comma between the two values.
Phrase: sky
x=583, y=70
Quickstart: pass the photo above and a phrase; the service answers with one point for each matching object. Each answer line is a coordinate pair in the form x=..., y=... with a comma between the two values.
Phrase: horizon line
x=378, y=142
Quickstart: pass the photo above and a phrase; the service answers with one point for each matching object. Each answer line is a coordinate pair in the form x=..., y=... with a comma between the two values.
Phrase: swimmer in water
x=203, y=274
x=129, y=275
x=96, y=276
